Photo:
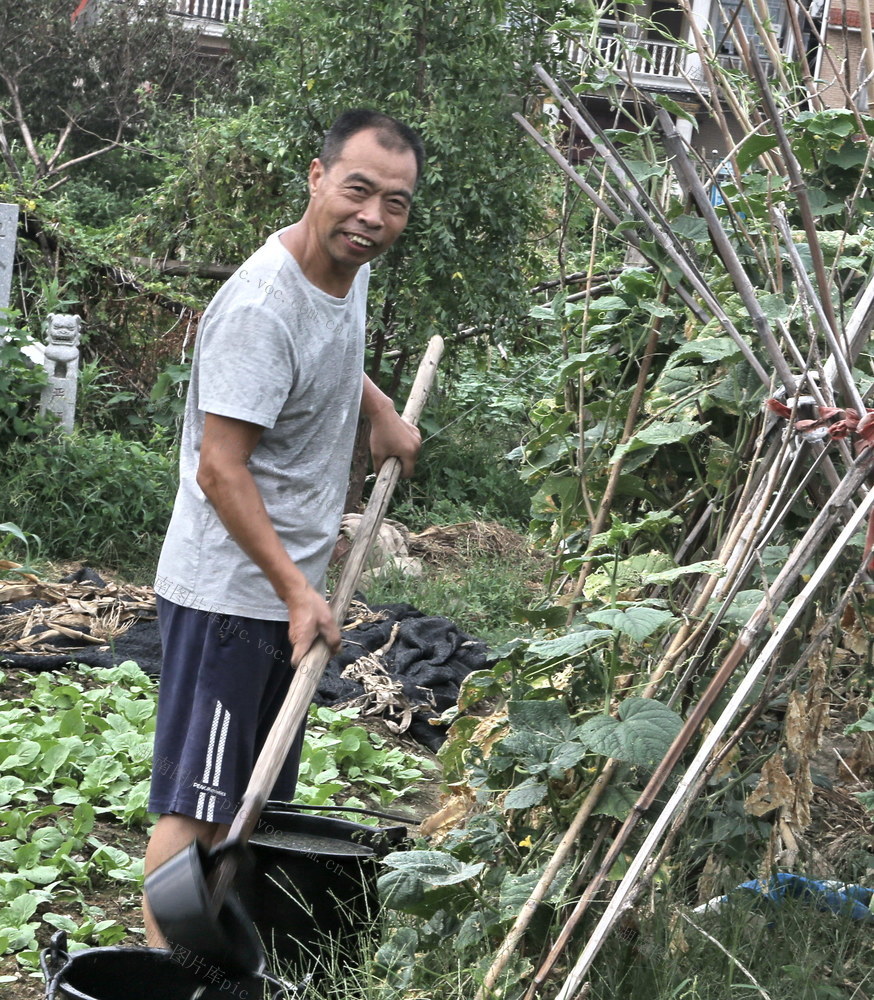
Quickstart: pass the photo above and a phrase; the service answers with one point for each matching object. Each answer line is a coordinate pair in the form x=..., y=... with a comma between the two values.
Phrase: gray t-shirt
x=274, y=350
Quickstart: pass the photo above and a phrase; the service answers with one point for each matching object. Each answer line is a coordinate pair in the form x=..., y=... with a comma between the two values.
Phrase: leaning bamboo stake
x=584, y=813
x=529, y=908
x=657, y=223
x=858, y=328
x=816, y=101
x=566, y=844
x=618, y=902
x=868, y=42
x=697, y=283
x=796, y=186
x=695, y=189
x=795, y=563
x=839, y=352
x=660, y=230
x=726, y=746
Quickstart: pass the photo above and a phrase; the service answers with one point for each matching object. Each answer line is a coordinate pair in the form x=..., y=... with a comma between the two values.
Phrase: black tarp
x=428, y=657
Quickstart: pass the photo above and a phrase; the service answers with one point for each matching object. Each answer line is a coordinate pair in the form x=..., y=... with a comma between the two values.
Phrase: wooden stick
x=309, y=672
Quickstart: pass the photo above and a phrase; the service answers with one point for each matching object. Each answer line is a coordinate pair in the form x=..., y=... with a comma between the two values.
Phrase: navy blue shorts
x=222, y=683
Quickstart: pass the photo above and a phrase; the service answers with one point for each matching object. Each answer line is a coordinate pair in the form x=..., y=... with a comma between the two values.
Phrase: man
x=276, y=385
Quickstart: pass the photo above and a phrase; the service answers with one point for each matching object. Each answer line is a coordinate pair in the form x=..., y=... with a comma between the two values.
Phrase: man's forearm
x=374, y=400
x=391, y=435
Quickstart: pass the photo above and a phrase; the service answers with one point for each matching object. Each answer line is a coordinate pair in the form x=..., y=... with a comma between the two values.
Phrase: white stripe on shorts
x=212, y=768
x=207, y=768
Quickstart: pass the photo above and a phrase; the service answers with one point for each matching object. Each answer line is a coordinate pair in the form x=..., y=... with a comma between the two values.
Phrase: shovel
x=190, y=894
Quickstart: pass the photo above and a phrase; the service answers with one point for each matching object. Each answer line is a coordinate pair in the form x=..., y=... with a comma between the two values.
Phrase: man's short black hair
x=391, y=134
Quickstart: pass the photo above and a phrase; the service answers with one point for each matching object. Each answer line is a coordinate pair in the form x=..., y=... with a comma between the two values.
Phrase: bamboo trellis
x=772, y=483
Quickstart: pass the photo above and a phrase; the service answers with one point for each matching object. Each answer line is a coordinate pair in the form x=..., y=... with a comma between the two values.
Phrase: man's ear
x=317, y=172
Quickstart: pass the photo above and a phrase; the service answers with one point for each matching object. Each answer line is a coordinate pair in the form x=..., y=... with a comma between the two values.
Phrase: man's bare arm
x=390, y=435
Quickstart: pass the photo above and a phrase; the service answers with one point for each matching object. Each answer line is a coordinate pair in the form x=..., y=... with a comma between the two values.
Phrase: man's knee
x=173, y=833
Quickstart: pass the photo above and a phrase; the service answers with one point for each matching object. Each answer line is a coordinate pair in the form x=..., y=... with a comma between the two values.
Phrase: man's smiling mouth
x=359, y=240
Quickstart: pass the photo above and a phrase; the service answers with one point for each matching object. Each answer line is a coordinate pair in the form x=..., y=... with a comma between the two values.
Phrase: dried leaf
x=799, y=815
x=773, y=791
x=12, y=592
x=451, y=815
x=795, y=726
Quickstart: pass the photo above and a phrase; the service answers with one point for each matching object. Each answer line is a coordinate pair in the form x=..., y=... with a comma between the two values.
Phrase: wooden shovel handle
x=312, y=666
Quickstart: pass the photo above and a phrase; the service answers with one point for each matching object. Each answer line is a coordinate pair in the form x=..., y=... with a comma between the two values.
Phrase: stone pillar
x=62, y=368
x=8, y=228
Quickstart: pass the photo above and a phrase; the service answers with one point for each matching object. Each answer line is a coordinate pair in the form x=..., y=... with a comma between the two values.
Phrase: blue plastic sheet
x=853, y=901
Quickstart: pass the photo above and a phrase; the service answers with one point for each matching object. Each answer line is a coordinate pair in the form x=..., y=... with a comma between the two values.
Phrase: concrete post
x=62, y=368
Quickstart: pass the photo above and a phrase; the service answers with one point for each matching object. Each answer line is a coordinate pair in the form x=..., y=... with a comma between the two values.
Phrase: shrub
x=95, y=497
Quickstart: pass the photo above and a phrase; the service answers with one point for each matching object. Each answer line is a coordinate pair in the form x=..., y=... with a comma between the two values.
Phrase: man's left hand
x=392, y=437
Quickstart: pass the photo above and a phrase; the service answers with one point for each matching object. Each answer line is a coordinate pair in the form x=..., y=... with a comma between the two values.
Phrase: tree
x=72, y=90
x=455, y=72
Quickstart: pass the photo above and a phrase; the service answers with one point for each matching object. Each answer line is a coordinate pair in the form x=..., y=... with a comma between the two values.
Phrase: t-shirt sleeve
x=246, y=364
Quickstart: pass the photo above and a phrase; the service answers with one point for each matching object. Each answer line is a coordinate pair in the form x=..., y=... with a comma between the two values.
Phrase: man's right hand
x=310, y=618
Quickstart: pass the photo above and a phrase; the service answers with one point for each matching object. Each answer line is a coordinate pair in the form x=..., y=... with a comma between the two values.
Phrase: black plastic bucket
x=147, y=974
x=313, y=879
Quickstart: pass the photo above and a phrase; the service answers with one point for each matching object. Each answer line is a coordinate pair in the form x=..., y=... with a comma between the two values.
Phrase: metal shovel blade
x=180, y=901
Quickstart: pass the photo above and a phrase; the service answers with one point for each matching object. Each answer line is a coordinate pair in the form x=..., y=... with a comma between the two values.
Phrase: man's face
x=360, y=205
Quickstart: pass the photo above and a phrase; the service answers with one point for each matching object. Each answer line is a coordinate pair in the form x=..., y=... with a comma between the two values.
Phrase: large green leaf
x=566, y=647
x=659, y=434
x=708, y=349
x=529, y=794
x=636, y=571
x=637, y=622
x=419, y=881
x=396, y=958
x=550, y=718
x=543, y=740
x=753, y=147
x=710, y=567
x=641, y=735
x=691, y=227
x=617, y=800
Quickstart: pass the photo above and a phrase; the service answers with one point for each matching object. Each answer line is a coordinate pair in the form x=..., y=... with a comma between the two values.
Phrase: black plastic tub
x=313, y=885
x=147, y=974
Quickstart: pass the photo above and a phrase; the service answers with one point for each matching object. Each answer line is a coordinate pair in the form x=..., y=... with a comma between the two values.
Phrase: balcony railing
x=639, y=55
x=211, y=10
x=621, y=48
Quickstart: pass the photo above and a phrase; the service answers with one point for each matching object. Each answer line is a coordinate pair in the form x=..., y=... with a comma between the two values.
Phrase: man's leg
x=172, y=835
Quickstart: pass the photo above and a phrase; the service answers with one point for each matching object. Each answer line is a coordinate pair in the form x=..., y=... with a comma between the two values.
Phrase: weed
x=13, y=538
x=97, y=497
x=484, y=595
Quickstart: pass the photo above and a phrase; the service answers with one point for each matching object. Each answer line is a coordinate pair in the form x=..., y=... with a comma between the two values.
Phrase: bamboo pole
x=796, y=561
x=796, y=186
x=865, y=24
x=858, y=327
x=816, y=101
x=618, y=902
x=697, y=283
x=839, y=352
x=694, y=189
x=584, y=813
